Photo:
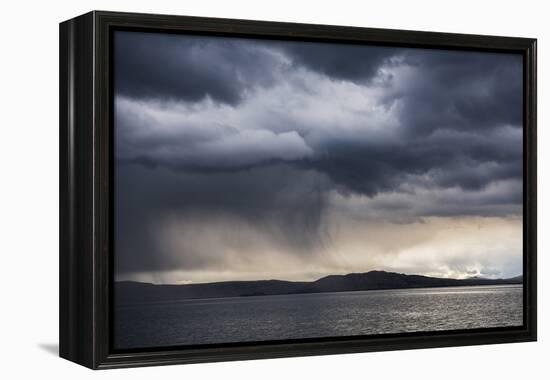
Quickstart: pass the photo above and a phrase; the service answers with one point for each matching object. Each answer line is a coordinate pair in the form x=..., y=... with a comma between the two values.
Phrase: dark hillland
x=128, y=292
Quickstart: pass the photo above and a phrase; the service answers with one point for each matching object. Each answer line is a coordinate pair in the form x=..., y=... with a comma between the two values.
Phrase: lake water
x=243, y=319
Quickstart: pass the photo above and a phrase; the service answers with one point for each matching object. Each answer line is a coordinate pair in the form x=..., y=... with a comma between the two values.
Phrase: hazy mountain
x=128, y=292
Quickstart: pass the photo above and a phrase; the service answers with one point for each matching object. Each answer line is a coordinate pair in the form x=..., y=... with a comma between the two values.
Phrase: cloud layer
x=235, y=152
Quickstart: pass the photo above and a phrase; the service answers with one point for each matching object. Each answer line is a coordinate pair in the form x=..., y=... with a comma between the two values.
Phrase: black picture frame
x=86, y=179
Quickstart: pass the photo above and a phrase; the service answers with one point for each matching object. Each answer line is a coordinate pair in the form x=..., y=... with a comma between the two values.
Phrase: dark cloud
x=461, y=91
x=226, y=69
x=467, y=161
x=190, y=68
x=348, y=62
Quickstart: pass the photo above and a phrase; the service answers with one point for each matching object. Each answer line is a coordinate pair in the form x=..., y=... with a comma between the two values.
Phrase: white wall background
x=29, y=187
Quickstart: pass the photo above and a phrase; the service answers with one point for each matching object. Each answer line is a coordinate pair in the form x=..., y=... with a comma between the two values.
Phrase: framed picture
x=236, y=189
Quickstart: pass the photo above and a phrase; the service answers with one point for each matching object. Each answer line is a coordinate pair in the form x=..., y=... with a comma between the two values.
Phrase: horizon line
x=320, y=278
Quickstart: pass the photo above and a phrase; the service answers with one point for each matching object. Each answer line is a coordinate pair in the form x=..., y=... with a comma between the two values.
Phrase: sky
x=246, y=159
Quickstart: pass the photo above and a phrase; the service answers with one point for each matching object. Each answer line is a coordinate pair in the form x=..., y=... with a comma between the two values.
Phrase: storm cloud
x=233, y=153
x=174, y=67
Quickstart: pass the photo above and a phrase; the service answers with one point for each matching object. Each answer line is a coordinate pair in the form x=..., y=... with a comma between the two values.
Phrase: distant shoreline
x=128, y=292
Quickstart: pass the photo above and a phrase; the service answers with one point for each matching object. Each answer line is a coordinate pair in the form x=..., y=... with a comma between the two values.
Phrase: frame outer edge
x=531, y=160
x=65, y=322
x=76, y=275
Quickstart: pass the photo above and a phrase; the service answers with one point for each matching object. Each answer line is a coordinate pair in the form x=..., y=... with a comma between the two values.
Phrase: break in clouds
x=257, y=159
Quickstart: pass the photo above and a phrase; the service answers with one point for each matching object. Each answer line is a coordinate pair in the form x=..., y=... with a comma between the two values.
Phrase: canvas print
x=269, y=190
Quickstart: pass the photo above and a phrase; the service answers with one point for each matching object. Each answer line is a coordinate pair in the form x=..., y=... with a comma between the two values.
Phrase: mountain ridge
x=131, y=292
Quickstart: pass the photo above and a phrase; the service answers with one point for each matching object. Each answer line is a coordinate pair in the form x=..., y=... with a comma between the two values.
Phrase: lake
x=245, y=319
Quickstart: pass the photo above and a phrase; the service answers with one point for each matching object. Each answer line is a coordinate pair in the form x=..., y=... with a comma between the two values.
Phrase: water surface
x=296, y=316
